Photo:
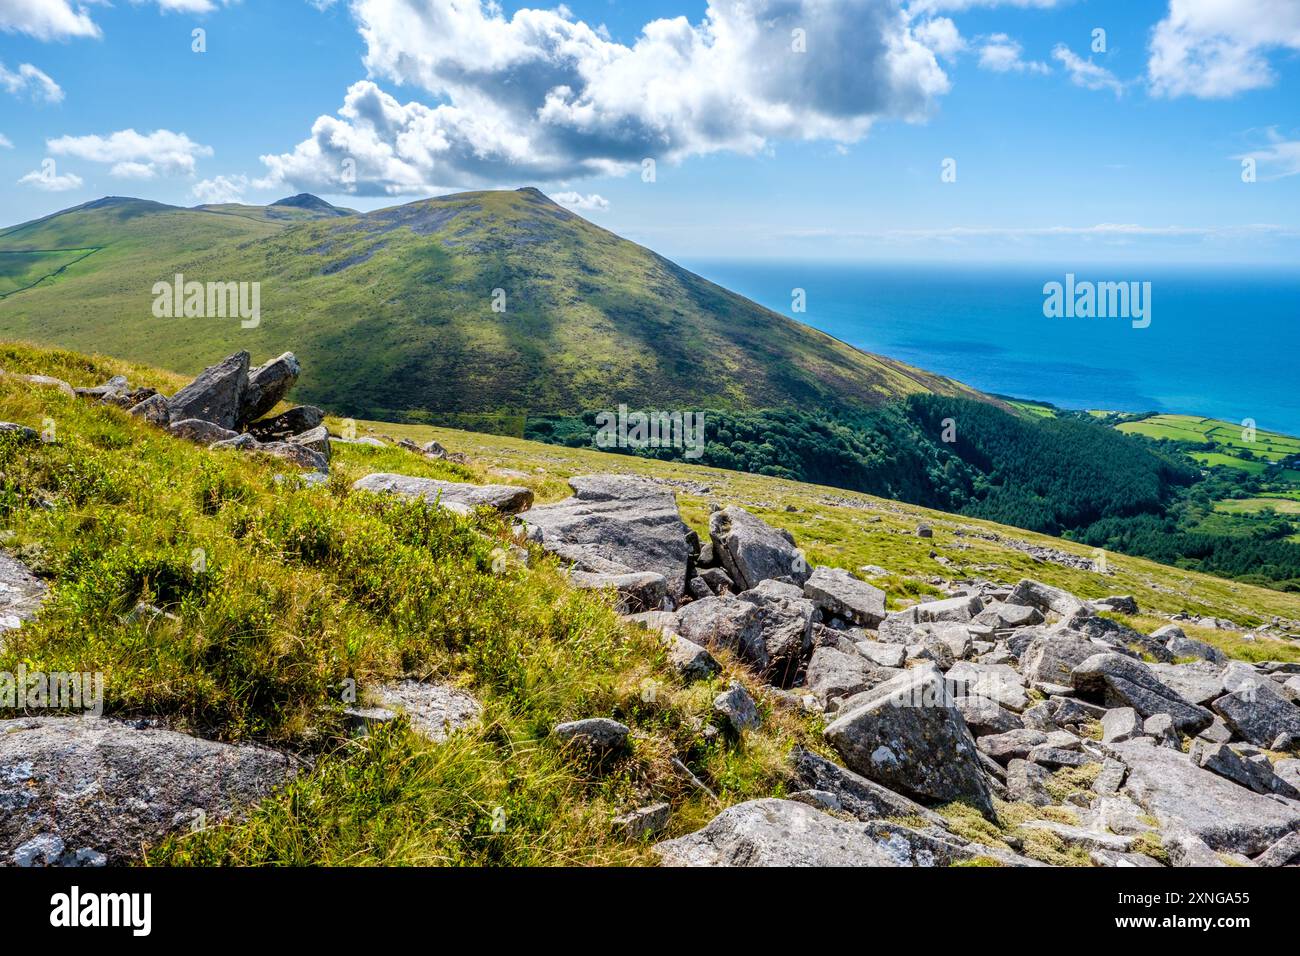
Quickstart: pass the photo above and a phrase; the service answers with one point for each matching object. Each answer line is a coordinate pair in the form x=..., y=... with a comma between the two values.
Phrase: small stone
x=737, y=708
x=595, y=733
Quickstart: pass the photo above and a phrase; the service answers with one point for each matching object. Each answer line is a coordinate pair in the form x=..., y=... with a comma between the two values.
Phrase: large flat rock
x=103, y=789
x=1180, y=795
x=508, y=499
x=617, y=524
x=774, y=832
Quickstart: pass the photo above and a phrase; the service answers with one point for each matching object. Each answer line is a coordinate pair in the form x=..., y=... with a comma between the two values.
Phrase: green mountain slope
x=395, y=309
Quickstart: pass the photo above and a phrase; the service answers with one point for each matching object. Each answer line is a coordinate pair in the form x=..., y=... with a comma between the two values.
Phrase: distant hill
x=476, y=302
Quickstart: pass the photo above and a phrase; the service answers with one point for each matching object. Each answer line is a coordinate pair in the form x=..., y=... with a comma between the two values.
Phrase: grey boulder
x=752, y=551
x=1259, y=714
x=200, y=432
x=267, y=385
x=907, y=735
x=772, y=832
x=1180, y=795
x=21, y=593
x=216, y=395
x=594, y=733
x=507, y=499
x=838, y=593
x=293, y=421
x=111, y=787
x=1119, y=681
x=834, y=673
x=435, y=711
x=725, y=622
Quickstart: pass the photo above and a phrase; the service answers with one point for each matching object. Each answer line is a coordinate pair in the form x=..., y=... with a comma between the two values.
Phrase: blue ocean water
x=1221, y=343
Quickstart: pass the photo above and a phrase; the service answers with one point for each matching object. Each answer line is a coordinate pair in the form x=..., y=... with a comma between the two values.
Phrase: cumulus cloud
x=135, y=155
x=940, y=34
x=46, y=19
x=540, y=96
x=593, y=203
x=1001, y=54
x=50, y=180
x=220, y=189
x=30, y=81
x=5, y=142
x=1085, y=73
x=1214, y=49
x=67, y=20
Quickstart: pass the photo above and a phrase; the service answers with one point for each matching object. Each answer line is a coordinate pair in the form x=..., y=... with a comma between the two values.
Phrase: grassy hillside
x=304, y=588
x=395, y=310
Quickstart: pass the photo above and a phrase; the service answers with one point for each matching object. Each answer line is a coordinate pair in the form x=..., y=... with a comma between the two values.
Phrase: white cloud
x=1214, y=49
x=49, y=180
x=70, y=19
x=1281, y=158
x=940, y=35
x=1085, y=73
x=593, y=203
x=1001, y=54
x=135, y=155
x=5, y=142
x=46, y=19
x=36, y=83
x=220, y=189
x=542, y=97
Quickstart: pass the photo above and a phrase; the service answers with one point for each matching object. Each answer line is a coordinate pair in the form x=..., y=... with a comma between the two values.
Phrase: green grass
x=1283, y=506
x=393, y=311
x=302, y=589
x=1229, y=439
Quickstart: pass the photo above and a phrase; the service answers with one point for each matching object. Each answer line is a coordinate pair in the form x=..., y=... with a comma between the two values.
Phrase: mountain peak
x=307, y=201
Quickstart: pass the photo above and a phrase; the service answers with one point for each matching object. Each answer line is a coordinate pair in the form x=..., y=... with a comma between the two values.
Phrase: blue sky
x=761, y=150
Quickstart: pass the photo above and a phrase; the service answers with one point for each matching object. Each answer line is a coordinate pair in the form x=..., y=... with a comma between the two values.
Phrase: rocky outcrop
x=616, y=524
x=508, y=499
x=81, y=790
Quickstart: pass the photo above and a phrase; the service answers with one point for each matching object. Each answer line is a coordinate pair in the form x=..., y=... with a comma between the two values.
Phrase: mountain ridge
x=585, y=319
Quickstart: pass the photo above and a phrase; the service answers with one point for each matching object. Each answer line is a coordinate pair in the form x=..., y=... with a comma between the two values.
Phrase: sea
x=1221, y=343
